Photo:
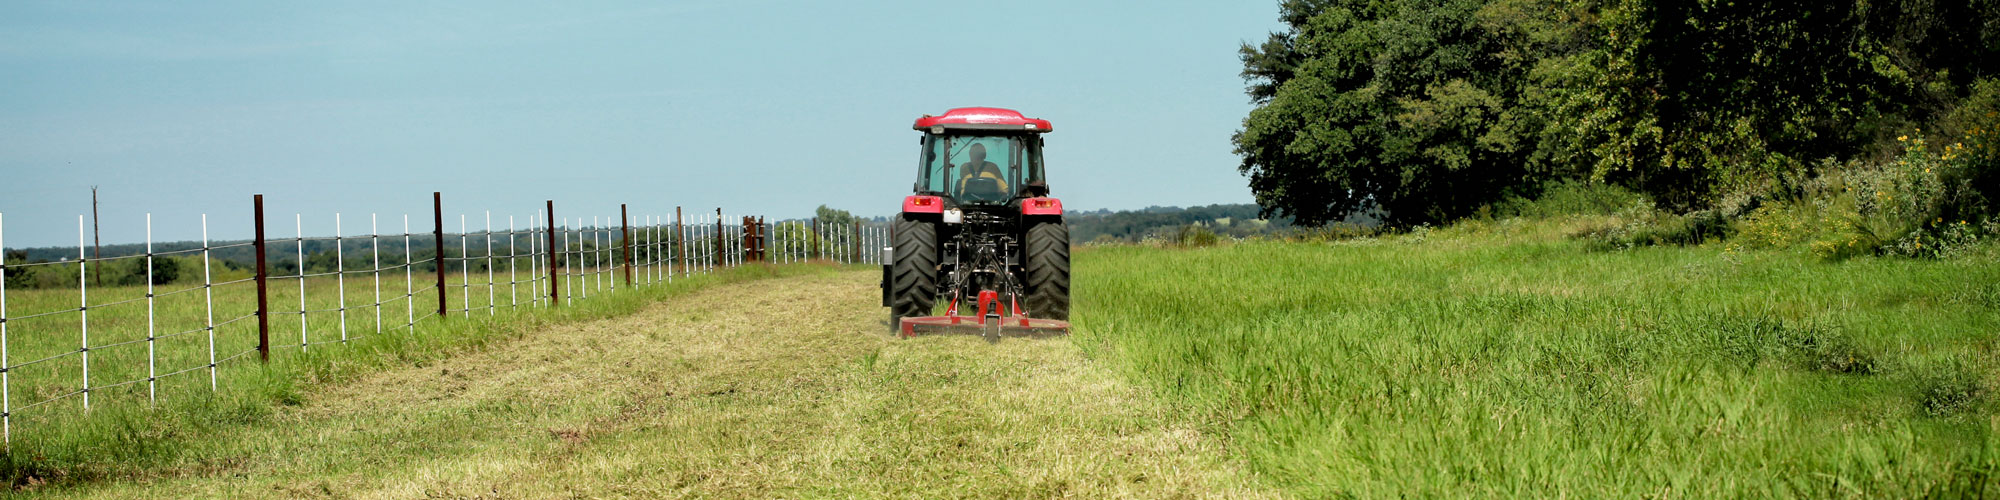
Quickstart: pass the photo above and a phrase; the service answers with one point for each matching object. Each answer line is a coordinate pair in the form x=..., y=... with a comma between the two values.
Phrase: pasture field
x=785, y=387
x=48, y=344
x=58, y=439
x=1503, y=359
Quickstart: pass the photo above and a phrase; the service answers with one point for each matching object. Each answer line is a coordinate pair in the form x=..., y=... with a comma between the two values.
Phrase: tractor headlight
x=953, y=216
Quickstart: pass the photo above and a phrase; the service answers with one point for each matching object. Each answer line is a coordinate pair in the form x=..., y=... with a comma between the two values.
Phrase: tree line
x=1426, y=111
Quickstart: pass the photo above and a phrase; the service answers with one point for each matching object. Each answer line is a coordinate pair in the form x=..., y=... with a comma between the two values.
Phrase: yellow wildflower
x=1902, y=138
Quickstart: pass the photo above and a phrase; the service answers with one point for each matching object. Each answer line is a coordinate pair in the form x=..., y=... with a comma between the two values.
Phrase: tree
x=17, y=277
x=833, y=217
x=166, y=270
x=1428, y=110
x=1401, y=106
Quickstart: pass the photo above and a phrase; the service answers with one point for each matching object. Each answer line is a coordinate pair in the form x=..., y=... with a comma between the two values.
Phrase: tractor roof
x=983, y=119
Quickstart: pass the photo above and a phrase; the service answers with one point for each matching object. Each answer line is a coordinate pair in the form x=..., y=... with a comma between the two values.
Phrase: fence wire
x=550, y=261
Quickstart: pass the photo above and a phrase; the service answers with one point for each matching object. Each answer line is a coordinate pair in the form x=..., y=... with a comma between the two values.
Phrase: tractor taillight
x=923, y=204
x=1041, y=206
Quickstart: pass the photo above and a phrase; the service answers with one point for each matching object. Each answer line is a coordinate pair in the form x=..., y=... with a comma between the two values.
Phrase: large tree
x=1399, y=106
x=1428, y=109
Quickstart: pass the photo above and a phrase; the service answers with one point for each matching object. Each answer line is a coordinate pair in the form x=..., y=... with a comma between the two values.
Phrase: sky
x=181, y=109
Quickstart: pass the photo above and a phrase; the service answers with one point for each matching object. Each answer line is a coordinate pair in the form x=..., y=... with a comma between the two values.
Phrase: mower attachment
x=992, y=322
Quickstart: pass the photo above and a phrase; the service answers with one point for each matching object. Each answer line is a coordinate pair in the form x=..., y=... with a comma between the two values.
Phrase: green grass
x=126, y=431
x=1503, y=359
x=779, y=388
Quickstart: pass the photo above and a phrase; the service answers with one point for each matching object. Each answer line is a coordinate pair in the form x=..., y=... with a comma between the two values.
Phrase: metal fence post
x=83, y=311
x=489, y=263
x=437, y=236
x=513, y=258
x=208, y=309
x=375, y=260
x=299, y=221
x=263, y=293
x=6, y=398
x=409, y=279
x=340, y=275
x=152, y=354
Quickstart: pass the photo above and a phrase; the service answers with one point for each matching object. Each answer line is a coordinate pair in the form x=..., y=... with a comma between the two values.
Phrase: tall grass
x=1505, y=359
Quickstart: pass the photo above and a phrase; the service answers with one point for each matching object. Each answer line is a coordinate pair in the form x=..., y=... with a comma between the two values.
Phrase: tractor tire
x=1048, y=270
x=913, y=276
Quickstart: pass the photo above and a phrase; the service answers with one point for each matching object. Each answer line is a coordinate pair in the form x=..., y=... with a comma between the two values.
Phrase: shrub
x=1949, y=387
x=1639, y=224
x=1193, y=236
x=1332, y=232
x=1567, y=197
x=1924, y=203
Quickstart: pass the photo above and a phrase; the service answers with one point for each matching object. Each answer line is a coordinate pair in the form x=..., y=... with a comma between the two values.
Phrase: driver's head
x=978, y=152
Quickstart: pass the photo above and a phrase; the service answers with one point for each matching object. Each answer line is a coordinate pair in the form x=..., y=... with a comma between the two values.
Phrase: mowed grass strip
x=787, y=387
x=121, y=357
x=127, y=434
x=1500, y=359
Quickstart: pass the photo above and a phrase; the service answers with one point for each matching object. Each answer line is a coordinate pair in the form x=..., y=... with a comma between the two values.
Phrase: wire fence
x=233, y=314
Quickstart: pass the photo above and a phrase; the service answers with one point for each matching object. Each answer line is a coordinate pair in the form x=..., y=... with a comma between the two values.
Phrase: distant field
x=1502, y=359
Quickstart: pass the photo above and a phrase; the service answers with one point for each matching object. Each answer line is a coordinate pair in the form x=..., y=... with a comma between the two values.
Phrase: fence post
x=208, y=312
x=625, y=230
x=6, y=398
x=555, y=292
x=152, y=371
x=437, y=237
x=340, y=275
x=263, y=293
x=83, y=309
x=721, y=251
x=854, y=238
x=680, y=240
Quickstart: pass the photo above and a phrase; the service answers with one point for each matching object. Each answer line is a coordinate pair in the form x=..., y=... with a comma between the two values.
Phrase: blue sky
x=761, y=107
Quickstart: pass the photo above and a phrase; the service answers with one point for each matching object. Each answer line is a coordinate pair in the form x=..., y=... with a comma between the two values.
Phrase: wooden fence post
x=437, y=235
x=625, y=228
x=263, y=293
x=555, y=288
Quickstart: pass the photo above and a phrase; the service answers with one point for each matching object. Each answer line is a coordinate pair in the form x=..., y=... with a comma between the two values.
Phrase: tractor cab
x=981, y=157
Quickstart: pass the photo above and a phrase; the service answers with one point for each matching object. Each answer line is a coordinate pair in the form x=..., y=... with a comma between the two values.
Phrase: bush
x=1924, y=203
x=1193, y=236
x=1333, y=232
x=1567, y=197
x=1640, y=224
x=1950, y=386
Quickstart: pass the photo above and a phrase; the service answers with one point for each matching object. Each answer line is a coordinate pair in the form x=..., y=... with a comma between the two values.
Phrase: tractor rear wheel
x=913, y=276
x=1048, y=270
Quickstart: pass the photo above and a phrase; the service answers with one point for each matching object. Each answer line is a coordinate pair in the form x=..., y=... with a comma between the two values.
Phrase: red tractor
x=980, y=232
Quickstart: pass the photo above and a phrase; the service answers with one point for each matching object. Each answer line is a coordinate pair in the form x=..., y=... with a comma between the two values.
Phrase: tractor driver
x=979, y=168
